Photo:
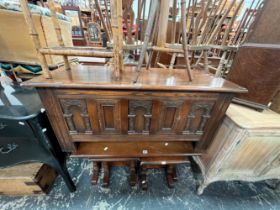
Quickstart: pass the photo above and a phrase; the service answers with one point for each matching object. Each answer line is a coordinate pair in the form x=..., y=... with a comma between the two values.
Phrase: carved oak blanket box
x=162, y=116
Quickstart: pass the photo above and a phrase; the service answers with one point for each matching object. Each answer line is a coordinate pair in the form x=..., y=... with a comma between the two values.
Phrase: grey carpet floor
x=120, y=196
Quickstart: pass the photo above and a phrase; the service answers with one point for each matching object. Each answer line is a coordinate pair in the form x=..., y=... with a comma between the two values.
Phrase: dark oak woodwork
x=107, y=164
x=134, y=149
x=257, y=67
x=139, y=117
x=159, y=121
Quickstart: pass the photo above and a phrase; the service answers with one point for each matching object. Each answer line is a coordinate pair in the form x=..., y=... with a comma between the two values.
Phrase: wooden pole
x=102, y=19
x=231, y=23
x=217, y=28
x=204, y=17
x=197, y=22
x=128, y=11
x=216, y=17
x=173, y=30
x=151, y=19
x=223, y=58
x=174, y=55
x=143, y=20
x=139, y=11
x=108, y=17
x=153, y=38
x=209, y=21
x=116, y=14
x=58, y=31
x=184, y=38
x=163, y=22
x=221, y=63
x=247, y=25
x=242, y=23
x=194, y=2
x=35, y=38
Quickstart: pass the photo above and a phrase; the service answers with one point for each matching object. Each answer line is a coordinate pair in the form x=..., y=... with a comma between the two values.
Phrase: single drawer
x=136, y=149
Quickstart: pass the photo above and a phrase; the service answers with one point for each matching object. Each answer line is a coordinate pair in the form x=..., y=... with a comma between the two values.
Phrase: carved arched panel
x=139, y=117
x=197, y=118
x=76, y=116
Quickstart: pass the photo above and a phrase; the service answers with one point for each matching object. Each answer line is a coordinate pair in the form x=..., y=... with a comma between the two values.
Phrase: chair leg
x=133, y=177
x=95, y=175
x=144, y=183
x=174, y=175
x=106, y=177
x=170, y=175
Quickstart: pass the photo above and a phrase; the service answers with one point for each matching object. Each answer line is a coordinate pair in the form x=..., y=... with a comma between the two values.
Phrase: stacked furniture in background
x=246, y=146
x=257, y=64
x=16, y=44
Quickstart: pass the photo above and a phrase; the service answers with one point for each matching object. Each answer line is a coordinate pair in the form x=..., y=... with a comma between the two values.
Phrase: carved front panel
x=76, y=116
x=109, y=116
x=197, y=117
x=139, y=117
x=170, y=116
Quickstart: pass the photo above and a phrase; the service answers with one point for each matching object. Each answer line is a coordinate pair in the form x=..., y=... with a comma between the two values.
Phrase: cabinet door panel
x=170, y=116
x=109, y=115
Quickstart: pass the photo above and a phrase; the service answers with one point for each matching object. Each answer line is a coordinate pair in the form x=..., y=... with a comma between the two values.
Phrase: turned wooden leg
x=106, y=177
x=144, y=184
x=170, y=175
x=95, y=175
x=133, y=176
x=174, y=175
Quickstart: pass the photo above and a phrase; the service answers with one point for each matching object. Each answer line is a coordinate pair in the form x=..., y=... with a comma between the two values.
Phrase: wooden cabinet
x=161, y=116
x=246, y=147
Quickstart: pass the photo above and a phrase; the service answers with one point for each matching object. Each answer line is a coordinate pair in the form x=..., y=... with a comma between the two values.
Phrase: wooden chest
x=163, y=115
x=246, y=147
x=26, y=179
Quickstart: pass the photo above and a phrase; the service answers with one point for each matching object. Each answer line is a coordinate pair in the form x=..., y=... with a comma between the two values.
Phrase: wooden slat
x=58, y=31
x=103, y=20
x=72, y=51
x=163, y=23
x=184, y=39
x=116, y=14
